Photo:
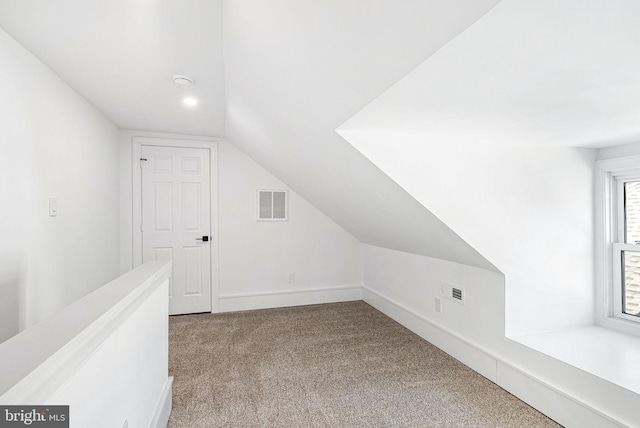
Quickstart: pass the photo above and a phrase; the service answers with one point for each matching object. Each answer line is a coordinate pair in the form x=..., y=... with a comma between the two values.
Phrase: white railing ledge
x=37, y=361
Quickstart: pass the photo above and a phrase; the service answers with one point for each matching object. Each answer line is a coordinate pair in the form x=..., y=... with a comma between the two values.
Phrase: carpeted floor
x=335, y=365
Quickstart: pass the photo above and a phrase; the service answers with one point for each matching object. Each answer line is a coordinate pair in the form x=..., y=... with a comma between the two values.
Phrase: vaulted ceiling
x=277, y=78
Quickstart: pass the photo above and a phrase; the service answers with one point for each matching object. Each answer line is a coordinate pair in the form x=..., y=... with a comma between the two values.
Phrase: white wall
x=53, y=143
x=404, y=286
x=414, y=283
x=255, y=258
x=529, y=210
x=485, y=139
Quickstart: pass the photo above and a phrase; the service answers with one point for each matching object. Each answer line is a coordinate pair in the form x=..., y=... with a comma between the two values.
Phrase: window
x=619, y=241
x=626, y=251
x=272, y=205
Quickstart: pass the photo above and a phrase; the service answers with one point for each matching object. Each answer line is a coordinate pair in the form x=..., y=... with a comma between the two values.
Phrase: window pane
x=631, y=276
x=632, y=212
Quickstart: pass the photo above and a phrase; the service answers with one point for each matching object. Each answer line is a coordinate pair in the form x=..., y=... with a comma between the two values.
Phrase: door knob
x=203, y=239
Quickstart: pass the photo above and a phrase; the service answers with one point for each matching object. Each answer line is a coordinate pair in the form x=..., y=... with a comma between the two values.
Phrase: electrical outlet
x=438, y=304
x=53, y=206
x=292, y=277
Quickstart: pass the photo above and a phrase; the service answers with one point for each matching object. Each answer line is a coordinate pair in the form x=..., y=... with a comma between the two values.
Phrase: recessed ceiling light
x=190, y=101
x=183, y=80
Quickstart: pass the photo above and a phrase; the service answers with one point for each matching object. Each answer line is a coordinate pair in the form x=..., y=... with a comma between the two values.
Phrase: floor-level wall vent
x=453, y=292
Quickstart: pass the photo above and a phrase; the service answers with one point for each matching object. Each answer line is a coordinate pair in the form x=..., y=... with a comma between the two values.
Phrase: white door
x=176, y=222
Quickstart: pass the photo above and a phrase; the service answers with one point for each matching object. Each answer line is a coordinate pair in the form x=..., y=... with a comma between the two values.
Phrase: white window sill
x=611, y=355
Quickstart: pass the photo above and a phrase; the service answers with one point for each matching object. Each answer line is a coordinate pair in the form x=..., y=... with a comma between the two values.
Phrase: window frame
x=611, y=174
x=620, y=245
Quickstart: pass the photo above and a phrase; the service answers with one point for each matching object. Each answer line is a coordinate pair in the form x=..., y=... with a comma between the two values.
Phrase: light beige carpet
x=335, y=365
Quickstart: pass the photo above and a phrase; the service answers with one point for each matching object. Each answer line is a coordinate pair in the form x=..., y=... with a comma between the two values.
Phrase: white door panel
x=176, y=215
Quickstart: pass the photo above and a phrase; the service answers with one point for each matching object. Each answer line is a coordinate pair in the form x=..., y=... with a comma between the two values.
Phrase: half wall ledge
x=105, y=355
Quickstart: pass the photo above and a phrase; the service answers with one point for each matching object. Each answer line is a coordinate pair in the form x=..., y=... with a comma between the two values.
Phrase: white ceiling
x=121, y=56
x=551, y=72
x=278, y=77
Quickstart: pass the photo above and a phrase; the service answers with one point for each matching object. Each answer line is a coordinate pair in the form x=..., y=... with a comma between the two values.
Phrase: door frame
x=136, y=173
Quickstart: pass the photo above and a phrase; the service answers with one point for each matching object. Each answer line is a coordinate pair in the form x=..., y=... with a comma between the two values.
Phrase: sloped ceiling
x=276, y=78
x=544, y=73
x=295, y=70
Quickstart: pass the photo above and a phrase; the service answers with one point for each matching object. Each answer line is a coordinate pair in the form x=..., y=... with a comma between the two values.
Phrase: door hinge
x=143, y=160
x=141, y=227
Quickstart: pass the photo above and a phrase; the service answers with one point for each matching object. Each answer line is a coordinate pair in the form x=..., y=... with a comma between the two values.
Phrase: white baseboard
x=557, y=405
x=565, y=409
x=470, y=355
x=285, y=298
x=163, y=407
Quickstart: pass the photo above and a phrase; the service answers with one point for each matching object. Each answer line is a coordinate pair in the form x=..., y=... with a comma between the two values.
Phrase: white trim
x=513, y=379
x=618, y=202
x=619, y=164
x=201, y=143
x=163, y=407
x=279, y=292
x=285, y=298
x=604, y=236
x=620, y=180
x=608, y=304
x=554, y=403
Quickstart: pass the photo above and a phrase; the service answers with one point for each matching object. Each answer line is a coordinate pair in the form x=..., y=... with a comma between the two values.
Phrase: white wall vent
x=272, y=205
x=453, y=292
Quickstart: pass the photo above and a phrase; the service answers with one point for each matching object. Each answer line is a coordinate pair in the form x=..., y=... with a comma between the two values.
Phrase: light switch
x=53, y=207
